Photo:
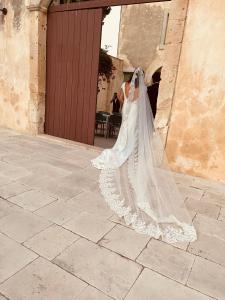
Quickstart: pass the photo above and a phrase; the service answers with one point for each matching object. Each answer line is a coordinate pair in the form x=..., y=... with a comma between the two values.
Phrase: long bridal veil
x=135, y=179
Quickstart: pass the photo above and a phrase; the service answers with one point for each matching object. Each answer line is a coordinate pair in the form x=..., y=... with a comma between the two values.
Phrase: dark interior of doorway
x=153, y=90
x=105, y=140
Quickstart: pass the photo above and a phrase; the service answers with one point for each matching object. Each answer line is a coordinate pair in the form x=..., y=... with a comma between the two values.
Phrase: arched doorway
x=73, y=43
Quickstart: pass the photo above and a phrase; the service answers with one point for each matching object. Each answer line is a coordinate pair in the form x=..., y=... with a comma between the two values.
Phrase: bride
x=135, y=179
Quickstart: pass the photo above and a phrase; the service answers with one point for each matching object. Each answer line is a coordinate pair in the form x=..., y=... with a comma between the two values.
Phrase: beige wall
x=14, y=66
x=196, y=139
x=107, y=89
x=22, y=64
x=171, y=58
x=141, y=30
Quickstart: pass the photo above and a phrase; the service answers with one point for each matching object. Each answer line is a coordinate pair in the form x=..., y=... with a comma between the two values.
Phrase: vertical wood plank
x=94, y=81
x=63, y=75
x=69, y=71
x=88, y=75
x=82, y=74
x=58, y=62
x=76, y=73
x=50, y=66
x=72, y=73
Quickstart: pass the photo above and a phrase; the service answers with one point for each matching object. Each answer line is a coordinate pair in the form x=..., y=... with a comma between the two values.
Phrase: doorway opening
x=153, y=90
x=74, y=79
x=136, y=42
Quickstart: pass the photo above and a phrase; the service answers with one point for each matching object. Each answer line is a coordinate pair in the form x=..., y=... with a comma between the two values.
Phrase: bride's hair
x=136, y=81
x=130, y=78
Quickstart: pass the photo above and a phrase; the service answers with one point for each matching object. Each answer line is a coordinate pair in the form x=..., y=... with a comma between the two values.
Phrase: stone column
x=38, y=29
x=173, y=43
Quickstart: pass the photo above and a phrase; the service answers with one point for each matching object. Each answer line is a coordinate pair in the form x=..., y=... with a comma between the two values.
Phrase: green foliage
x=105, y=64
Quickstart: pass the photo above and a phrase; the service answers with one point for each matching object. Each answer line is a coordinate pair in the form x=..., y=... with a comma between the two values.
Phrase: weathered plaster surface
x=38, y=3
x=38, y=25
x=38, y=22
x=22, y=65
x=140, y=32
x=170, y=62
x=144, y=35
x=14, y=66
x=196, y=139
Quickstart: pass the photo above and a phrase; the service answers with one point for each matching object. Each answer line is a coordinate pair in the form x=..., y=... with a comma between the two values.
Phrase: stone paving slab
x=214, y=198
x=93, y=227
x=53, y=187
x=210, y=226
x=222, y=214
x=4, y=207
x=51, y=242
x=13, y=172
x=92, y=202
x=117, y=220
x=210, y=247
x=59, y=212
x=60, y=240
x=125, y=241
x=167, y=260
x=13, y=257
x=191, y=192
x=4, y=180
x=151, y=285
x=81, y=158
x=104, y=269
x=91, y=293
x=209, y=185
x=12, y=189
x=32, y=200
x=42, y=280
x=203, y=207
x=208, y=277
x=21, y=225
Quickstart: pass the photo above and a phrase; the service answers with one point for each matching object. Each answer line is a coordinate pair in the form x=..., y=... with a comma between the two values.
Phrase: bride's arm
x=120, y=95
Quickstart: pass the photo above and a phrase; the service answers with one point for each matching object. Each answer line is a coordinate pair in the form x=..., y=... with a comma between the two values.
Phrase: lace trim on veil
x=133, y=180
x=186, y=232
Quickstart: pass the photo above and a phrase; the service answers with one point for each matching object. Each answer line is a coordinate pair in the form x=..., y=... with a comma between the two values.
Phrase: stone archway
x=173, y=43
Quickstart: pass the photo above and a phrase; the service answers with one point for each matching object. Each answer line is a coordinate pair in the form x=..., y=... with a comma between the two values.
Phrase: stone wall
x=22, y=64
x=170, y=62
x=14, y=66
x=196, y=138
x=141, y=36
x=107, y=89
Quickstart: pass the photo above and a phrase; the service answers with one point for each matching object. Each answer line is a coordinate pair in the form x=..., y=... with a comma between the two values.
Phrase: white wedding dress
x=135, y=179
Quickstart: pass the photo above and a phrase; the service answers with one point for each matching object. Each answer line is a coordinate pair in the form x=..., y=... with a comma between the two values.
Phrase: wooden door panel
x=73, y=43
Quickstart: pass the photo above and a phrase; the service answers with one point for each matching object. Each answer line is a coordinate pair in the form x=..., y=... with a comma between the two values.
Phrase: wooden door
x=73, y=43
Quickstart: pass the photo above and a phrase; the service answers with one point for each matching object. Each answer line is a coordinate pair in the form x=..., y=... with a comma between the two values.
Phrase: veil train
x=135, y=179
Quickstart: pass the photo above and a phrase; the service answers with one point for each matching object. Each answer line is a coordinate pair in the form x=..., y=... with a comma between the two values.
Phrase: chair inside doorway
x=107, y=127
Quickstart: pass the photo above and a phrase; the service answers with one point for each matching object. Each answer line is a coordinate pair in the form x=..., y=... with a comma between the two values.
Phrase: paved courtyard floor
x=103, y=142
x=60, y=241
